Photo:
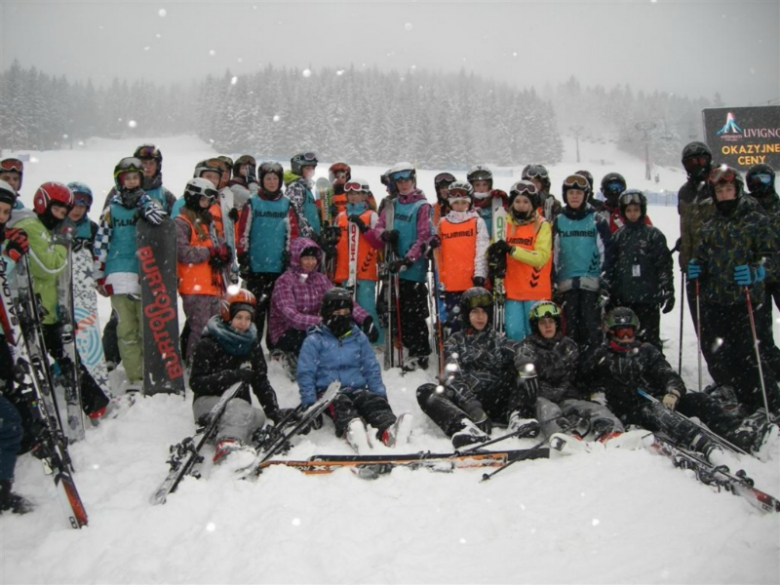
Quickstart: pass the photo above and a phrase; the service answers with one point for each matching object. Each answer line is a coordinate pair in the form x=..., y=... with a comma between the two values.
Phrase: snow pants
x=10, y=437
x=199, y=309
x=372, y=408
x=238, y=422
x=555, y=418
x=261, y=284
x=110, y=342
x=414, y=312
x=130, y=332
x=516, y=319
x=583, y=317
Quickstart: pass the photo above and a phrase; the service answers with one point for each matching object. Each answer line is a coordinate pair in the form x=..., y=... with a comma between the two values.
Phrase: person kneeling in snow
x=337, y=350
x=229, y=352
x=623, y=365
x=480, y=382
x=548, y=360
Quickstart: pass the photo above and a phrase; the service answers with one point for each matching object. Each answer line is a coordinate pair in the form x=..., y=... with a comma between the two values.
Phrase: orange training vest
x=524, y=282
x=198, y=279
x=458, y=246
x=366, y=259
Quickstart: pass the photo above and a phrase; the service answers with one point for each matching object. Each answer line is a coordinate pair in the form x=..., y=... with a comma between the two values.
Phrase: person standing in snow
x=12, y=172
x=243, y=184
x=481, y=179
x=307, y=222
x=480, y=383
x=337, y=350
x=612, y=186
x=229, y=352
x=550, y=206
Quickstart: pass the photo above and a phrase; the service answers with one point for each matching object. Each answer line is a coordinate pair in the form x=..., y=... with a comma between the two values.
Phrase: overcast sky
x=693, y=48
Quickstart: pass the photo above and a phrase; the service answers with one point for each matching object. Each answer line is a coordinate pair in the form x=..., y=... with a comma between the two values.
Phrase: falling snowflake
x=307, y=72
x=408, y=26
x=340, y=72
x=132, y=124
x=233, y=80
x=162, y=12
x=276, y=117
x=212, y=52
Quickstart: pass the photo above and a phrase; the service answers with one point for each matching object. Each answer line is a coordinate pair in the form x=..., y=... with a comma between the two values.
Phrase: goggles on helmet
x=614, y=186
x=721, y=175
x=12, y=164
x=536, y=173
x=271, y=167
x=576, y=182
x=147, y=151
x=477, y=301
x=623, y=332
x=520, y=188
x=443, y=178
x=401, y=176
x=545, y=310
x=209, y=193
x=355, y=186
x=761, y=179
x=309, y=156
x=629, y=198
x=82, y=199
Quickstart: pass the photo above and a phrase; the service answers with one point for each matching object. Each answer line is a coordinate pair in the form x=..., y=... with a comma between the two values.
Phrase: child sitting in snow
x=338, y=350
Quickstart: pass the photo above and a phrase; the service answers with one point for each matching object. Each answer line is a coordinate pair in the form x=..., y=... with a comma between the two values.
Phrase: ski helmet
x=338, y=168
x=636, y=197
x=443, y=180
x=197, y=188
x=544, y=309
x=228, y=163
x=526, y=189
x=402, y=170
x=760, y=180
x=621, y=318
x=82, y=194
x=273, y=168
x=538, y=172
x=150, y=152
x=335, y=299
x=612, y=185
x=52, y=193
x=238, y=299
x=459, y=190
x=357, y=185
x=575, y=181
x=697, y=160
x=129, y=164
x=480, y=173
x=588, y=175
x=242, y=160
x=7, y=194
x=725, y=174
x=473, y=298
x=212, y=164
x=13, y=165
x=303, y=159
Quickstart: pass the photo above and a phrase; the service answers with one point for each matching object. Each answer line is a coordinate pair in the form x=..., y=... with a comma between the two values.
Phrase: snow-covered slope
x=605, y=517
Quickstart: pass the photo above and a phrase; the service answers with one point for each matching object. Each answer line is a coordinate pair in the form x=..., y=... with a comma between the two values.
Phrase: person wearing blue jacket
x=337, y=350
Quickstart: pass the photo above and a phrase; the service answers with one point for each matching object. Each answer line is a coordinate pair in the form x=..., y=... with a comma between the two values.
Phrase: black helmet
x=303, y=159
x=760, y=180
x=697, y=160
x=619, y=318
x=150, y=152
x=588, y=175
x=526, y=189
x=538, y=172
x=129, y=164
x=242, y=160
x=576, y=181
x=273, y=168
x=335, y=299
x=612, y=185
x=480, y=173
x=443, y=180
x=635, y=196
x=541, y=310
x=473, y=298
x=211, y=164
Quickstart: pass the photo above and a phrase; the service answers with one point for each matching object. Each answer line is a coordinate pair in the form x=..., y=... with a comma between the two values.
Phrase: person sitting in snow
x=229, y=352
x=480, y=382
x=623, y=365
x=296, y=301
x=337, y=350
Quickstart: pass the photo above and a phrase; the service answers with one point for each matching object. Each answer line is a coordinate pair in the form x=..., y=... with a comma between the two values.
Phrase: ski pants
x=559, y=417
x=291, y=341
x=365, y=296
x=414, y=312
x=727, y=345
x=583, y=317
x=453, y=321
x=93, y=397
x=372, y=408
x=110, y=342
x=238, y=422
x=10, y=437
x=130, y=332
x=765, y=327
x=261, y=284
x=199, y=309
x=516, y=321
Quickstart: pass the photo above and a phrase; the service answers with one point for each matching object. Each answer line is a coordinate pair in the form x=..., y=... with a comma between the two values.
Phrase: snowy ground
x=605, y=517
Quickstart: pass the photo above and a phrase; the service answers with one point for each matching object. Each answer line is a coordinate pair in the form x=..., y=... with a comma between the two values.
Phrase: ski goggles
x=545, y=310
x=536, y=173
x=761, y=179
x=148, y=151
x=209, y=192
x=458, y=195
x=401, y=176
x=478, y=301
x=481, y=176
x=630, y=197
x=227, y=160
x=310, y=156
x=270, y=167
x=695, y=162
x=355, y=186
x=623, y=332
x=614, y=187
x=217, y=162
x=722, y=174
x=522, y=188
x=443, y=179
x=82, y=199
x=12, y=164
x=576, y=182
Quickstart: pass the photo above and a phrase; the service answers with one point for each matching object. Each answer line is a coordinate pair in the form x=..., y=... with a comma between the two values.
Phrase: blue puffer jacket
x=325, y=359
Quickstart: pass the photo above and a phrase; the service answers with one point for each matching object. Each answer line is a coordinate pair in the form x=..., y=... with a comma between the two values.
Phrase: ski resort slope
x=605, y=517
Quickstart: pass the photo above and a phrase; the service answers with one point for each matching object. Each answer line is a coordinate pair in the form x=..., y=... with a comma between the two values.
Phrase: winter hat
x=310, y=251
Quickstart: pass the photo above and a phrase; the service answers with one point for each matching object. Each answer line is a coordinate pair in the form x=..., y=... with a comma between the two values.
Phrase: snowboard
x=163, y=368
x=85, y=310
x=226, y=203
x=325, y=195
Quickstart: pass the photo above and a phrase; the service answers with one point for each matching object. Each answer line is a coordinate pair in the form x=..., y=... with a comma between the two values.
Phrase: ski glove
x=745, y=276
x=599, y=398
x=667, y=302
x=670, y=400
x=478, y=280
x=234, y=214
x=603, y=299
x=694, y=270
x=498, y=193
x=17, y=244
x=154, y=214
x=220, y=256
x=434, y=242
x=355, y=218
x=389, y=236
x=499, y=247
x=370, y=329
x=400, y=265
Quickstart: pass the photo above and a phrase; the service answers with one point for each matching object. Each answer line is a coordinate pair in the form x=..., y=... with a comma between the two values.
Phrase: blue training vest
x=405, y=221
x=123, y=246
x=268, y=233
x=578, y=252
x=311, y=212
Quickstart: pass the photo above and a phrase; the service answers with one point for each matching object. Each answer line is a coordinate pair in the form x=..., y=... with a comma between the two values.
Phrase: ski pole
x=758, y=352
x=714, y=436
x=525, y=455
x=476, y=446
x=682, y=320
x=698, y=327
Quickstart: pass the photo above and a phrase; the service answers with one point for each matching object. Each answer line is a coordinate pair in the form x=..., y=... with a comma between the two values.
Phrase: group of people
x=550, y=310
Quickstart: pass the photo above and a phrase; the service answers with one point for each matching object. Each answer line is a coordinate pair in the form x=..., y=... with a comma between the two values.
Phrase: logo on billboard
x=731, y=130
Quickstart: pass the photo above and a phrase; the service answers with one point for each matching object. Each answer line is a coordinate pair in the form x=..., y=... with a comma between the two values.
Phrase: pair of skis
x=498, y=220
x=20, y=321
x=392, y=293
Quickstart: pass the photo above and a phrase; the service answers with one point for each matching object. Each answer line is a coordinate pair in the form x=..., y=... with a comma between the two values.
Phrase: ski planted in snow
x=498, y=220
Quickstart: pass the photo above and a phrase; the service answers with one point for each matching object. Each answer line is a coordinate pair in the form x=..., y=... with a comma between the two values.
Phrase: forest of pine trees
x=434, y=120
